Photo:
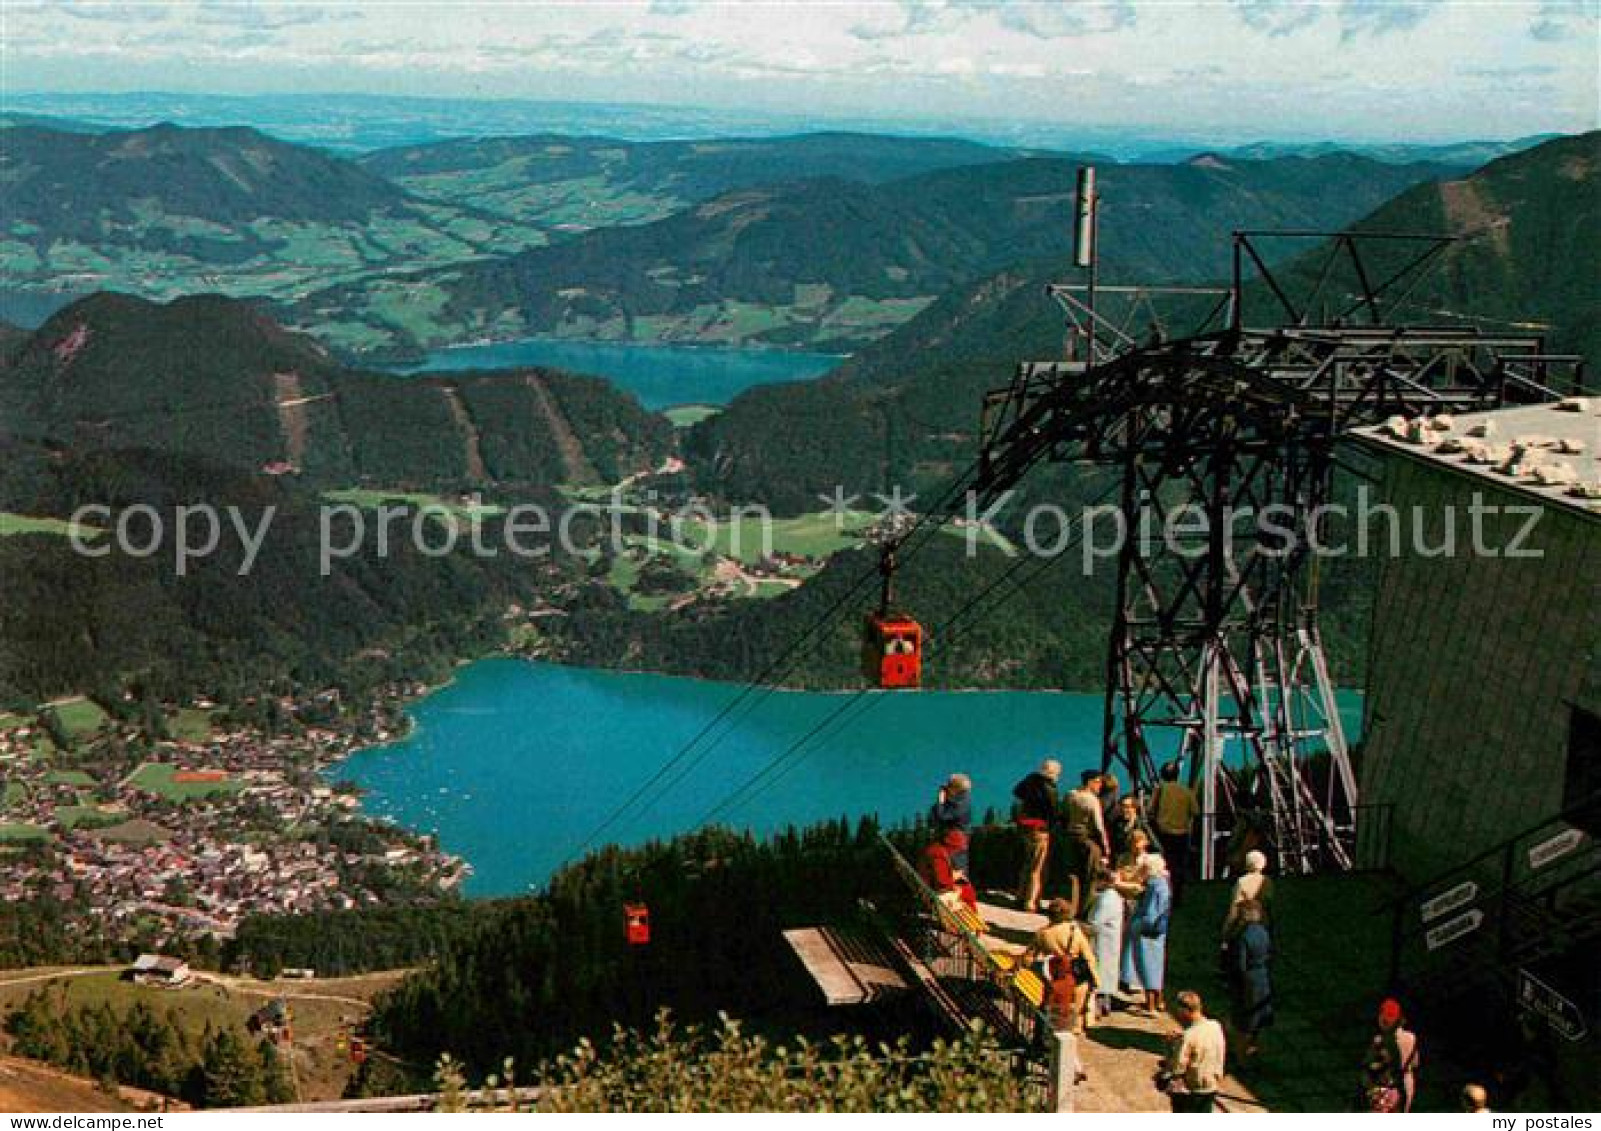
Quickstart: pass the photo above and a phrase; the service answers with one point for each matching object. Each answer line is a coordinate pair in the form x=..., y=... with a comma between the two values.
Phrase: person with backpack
x=1065, y=946
x=1034, y=810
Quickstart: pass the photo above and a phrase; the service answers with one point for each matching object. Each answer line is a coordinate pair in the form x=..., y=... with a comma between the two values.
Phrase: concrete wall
x=1474, y=665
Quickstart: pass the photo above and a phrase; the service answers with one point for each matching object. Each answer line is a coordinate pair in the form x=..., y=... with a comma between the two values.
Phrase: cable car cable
x=931, y=520
x=769, y=776
x=763, y=684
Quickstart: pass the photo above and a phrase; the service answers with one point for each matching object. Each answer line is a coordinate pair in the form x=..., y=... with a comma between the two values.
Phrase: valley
x=683, y=382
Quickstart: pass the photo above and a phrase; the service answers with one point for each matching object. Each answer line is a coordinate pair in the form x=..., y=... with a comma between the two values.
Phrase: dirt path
x=28, y=1086
x=1468, y=212
x=291, y=401
x=576, y=467
x=236, y=985
x=50, y=977
x=469, y=431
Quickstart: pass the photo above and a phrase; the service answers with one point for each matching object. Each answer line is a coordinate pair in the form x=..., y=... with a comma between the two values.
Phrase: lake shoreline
x=648, y=343
x=417, y=729
x=521, y=761
x=660, y=374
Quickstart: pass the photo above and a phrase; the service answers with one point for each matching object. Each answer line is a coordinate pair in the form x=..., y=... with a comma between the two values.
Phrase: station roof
x=1549, y=452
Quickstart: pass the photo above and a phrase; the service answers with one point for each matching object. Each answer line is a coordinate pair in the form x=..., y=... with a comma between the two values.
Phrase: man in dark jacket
x=953, y=809
x=1034, y=813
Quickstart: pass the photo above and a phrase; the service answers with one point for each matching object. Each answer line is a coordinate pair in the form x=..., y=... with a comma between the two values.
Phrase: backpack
x=1080, y=967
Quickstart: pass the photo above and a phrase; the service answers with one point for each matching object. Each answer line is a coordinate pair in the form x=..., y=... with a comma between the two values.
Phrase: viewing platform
x=1331, y=940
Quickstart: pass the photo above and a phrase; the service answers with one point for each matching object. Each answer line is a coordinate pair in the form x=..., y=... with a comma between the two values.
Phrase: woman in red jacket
x=939, y=870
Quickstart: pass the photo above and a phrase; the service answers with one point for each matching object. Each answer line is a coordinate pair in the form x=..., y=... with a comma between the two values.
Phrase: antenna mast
x=1085, y=252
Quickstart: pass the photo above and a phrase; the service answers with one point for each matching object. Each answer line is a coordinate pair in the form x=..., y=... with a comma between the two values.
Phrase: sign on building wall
x=1453, y=929
x=1554, y=848
x=1448, y=901
x=1562, y=1015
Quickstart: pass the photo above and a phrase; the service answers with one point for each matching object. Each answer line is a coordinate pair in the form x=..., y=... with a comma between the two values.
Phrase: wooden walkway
x=1120, y=1053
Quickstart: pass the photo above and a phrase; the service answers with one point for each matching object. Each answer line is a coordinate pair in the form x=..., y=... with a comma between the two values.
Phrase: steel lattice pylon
x=1215, y=655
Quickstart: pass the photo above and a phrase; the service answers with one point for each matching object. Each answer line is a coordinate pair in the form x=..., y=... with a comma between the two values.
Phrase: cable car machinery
x=1215, y=656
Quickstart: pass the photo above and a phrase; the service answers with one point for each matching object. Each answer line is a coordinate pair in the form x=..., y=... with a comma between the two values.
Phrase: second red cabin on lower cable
x=636, y=918
x=892, y=651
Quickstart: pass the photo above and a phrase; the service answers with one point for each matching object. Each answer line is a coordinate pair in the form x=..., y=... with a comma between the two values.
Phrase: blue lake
x=515, y=763
x=659, y=375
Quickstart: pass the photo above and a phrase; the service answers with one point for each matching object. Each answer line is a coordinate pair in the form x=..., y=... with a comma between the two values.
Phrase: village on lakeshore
x=157, y=841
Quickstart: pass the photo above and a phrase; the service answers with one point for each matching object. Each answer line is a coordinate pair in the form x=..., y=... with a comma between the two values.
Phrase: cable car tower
x=1215, y=657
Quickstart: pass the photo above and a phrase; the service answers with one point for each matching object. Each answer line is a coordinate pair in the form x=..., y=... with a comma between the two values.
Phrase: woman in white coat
x=1105, y=919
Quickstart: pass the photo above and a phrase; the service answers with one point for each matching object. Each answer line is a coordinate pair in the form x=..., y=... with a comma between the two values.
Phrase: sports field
x=166, y=780
x=80, y=716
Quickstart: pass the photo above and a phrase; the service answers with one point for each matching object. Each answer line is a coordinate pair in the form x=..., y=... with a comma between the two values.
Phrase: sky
x=1375, y=70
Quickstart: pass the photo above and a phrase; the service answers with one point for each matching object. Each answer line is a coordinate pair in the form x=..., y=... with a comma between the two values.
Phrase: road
x=51, y=976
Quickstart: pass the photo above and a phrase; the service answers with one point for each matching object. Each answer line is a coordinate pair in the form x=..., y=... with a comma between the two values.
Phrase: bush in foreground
x=723, y=1069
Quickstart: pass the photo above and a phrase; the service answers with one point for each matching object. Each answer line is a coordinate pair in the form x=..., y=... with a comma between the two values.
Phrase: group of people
x=1117, y=881
x=1107, y=935
x=944, y=862
x=1096, y=829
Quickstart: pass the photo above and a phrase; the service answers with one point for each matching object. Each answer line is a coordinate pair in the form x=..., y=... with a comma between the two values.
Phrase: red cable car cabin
x=637, y=917
x=892, y=652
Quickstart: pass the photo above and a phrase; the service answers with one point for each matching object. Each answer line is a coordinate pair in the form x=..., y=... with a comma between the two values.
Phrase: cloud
x=1041, y=19
x=1276, y=17
x=1064, y=20
x=1558, y=20
x=265, y=17
x=1171, y=65
x=910, y=17
x=1356, y=18
x=1381, y=17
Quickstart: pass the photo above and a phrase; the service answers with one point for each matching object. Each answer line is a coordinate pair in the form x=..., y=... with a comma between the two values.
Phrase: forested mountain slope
x=165, y=211
x=215, y=378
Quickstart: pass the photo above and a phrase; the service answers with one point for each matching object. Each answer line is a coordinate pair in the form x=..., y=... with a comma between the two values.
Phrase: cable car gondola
x=636, y=917
x=892, y=643
x=892, y=651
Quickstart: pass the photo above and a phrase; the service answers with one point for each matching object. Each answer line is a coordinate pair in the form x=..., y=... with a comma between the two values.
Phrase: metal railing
x=1359, y=840
x=982, y=984
x=1534, y=893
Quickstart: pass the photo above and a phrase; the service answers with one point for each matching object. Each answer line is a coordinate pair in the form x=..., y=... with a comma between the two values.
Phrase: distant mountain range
x=167, y=211
x=833, y=263
x=1462, y=154
x=561, y=181
x=212, y=378
x=1530, y=256
x=361, y=123
x=969, y=246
